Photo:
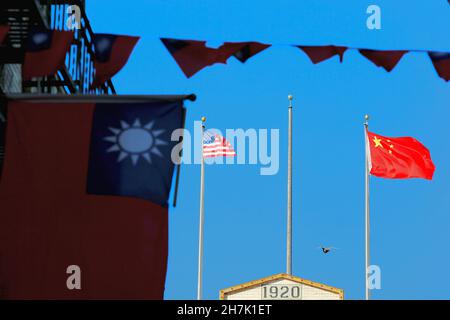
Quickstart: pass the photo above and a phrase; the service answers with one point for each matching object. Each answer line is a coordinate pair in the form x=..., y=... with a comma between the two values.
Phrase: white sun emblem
x=135, y=141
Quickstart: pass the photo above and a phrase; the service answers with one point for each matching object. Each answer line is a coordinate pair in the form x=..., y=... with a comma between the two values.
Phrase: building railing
x=77, y=74
x=75, y=77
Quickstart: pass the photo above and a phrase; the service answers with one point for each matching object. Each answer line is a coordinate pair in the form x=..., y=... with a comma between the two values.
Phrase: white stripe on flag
x=216, y=146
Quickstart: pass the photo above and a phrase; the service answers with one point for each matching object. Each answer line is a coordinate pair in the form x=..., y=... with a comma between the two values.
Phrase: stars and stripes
x=214, y=145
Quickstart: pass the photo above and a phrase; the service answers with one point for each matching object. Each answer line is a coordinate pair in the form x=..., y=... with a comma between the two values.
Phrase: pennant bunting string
x=193, y=56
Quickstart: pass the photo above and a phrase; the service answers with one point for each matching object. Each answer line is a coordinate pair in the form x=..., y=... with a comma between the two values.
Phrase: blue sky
x=245, y=212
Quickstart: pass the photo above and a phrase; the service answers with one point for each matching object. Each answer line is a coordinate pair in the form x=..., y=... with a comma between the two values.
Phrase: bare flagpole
x=289, y=193
x=367, y=207
x=202, y=217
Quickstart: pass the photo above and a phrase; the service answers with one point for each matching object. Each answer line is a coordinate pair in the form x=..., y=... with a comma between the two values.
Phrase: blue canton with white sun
x=136, y=141
x=130, y=151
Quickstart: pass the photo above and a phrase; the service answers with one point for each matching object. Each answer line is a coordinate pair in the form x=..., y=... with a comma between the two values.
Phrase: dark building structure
x=77, y=74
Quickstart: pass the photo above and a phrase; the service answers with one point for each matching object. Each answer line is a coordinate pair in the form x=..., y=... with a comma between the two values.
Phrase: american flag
x=214, y=145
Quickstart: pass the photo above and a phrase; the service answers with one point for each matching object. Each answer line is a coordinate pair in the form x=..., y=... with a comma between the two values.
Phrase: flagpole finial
x=366, y=117
x=366, y=120
x=290, y=97
x=203, y=119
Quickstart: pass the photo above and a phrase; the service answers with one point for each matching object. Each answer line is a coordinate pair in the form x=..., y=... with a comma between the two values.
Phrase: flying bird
x=326, y=250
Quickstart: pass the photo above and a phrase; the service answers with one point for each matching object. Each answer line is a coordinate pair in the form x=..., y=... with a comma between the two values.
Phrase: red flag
x=3, y=32
x=192, y=56
x=49, y=222
x=441, y=62
x=387, y=59
x=320, y=53
x=398, y=158
x=111, y=54
x=248, y=50
x=214, y=145
x=45, y=52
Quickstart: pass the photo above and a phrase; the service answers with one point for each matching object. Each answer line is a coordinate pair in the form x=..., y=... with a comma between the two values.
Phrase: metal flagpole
x=202, y=218
x=177, y=178
x=289, y=193
x=367, y=207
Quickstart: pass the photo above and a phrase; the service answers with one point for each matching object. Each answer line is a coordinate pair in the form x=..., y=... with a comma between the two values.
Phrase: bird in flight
x=326, y=250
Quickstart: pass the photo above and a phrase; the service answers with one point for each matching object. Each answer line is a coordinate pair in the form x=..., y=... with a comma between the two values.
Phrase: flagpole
x=177, y=178
x=202, y=213
x=367, y=208
x=289, y=193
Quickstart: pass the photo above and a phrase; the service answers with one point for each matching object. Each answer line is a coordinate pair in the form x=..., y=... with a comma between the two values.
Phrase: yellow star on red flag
x=377, y=142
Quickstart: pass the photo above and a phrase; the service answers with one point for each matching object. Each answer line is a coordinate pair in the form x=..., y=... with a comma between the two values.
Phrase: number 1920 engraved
x=281, y=292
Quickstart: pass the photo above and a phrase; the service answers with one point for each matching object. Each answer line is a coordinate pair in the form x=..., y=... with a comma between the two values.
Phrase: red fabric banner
x=47, y=61
x=248, y=50
x=192, y=56
x=118, y=55
x=321, y=53
x=399, y=158
x=4, y=29
x=49, y=222
x=386, y=59
x=441, y=62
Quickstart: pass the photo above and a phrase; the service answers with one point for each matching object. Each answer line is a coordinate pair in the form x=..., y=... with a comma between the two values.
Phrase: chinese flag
x=398, y=158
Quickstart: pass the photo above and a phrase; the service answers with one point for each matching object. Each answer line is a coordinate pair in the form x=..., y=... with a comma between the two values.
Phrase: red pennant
x=120, y=51
x=441, y=62
x=321, y=53
x=3, y=33
x=46, y=62
x=248, y=50
x=192, y=56
x=387, y=59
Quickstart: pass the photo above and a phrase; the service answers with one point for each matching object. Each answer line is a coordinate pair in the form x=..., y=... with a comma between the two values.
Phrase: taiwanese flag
x=386, y=59
x=398, y=158
x=3, y=33
x=441, y=62
x=45, y=52
x=248, y=50
x=192, y=56
x=86, y=185
x=321, y=53
x=111, y=55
